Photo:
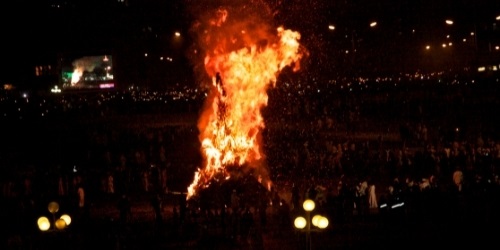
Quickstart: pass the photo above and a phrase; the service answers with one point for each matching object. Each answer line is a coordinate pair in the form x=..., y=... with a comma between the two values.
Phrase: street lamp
x=44, y=224
x=318, y=221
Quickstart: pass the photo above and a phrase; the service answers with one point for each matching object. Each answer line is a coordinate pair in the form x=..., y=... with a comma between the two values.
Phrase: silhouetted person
x=262, y=213
x=182, y=208
x=284, y=214
x=246, y=223
x=124, y=208
x=156, y=203
x=82, y=209
x=312, y=192
x=295, y=197
x=223, y=216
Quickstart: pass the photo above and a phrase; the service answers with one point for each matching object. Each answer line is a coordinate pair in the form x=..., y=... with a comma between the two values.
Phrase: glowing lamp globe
x=43, y=223
x=308, y=205
x=322, y=222
x=300, y=222
x=53, y=207
x=315, y=219
x=66, y=218
x=60, y=224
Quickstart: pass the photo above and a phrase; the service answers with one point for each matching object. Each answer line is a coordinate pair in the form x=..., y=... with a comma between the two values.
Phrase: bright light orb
x=315, y=219
x=66, y=218
x=60, y=224
x=309, y=205
x=43, y=223
x=300, y=222
x=322, y=222
x=53, y=207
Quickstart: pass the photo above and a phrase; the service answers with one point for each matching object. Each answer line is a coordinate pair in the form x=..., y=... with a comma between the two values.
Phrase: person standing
x=156, y=204
x=81, y=197
x=124, y=208
x=81, y=208
x=295, y=197
x=372, y=198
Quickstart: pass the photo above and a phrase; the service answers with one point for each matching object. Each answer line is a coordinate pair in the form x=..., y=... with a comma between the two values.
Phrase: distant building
x=87, y=72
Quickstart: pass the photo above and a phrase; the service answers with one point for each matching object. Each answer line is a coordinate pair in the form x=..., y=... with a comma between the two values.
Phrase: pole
x=308, y=230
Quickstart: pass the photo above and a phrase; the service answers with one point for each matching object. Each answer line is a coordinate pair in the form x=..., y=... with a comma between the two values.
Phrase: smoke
x=87, y=63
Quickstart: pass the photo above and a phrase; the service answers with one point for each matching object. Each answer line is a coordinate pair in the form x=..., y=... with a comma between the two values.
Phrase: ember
x=243, y=57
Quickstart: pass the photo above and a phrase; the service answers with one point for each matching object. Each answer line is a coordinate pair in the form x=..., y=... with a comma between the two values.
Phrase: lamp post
x=44, y=224
x=304, y=224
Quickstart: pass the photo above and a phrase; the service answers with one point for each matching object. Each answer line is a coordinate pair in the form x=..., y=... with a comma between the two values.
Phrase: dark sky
x=34, y=31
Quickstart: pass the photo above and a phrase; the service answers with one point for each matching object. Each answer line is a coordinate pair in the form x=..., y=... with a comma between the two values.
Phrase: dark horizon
x=42, y=31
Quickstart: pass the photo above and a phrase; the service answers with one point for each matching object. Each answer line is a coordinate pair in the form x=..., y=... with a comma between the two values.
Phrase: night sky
x=35, y=32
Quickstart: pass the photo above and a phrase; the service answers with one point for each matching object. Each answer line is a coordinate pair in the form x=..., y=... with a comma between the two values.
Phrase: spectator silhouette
x=124, y=208
x=157, y=207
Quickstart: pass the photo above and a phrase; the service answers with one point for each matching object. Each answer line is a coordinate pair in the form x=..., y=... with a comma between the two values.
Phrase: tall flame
x=231, y=124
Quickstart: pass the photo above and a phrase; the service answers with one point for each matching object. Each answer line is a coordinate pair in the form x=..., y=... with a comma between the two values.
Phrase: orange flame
x=230, y=126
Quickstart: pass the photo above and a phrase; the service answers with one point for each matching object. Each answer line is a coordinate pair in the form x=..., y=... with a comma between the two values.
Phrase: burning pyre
x=243, y=57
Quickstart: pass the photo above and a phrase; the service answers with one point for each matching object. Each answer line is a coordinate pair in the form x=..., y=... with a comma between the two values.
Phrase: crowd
x=352, y=153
